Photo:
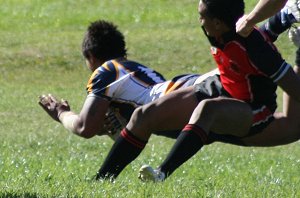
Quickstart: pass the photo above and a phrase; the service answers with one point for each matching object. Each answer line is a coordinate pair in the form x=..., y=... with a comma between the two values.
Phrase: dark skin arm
x=290, y=83
x=88, y=123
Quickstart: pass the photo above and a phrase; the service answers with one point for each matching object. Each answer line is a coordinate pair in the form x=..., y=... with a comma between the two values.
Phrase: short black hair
x=228, y=11
x=104, y=41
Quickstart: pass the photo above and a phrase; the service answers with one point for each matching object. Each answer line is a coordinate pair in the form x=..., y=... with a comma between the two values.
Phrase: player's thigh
x=280, y=131
x=171, y=111
x=230, y=116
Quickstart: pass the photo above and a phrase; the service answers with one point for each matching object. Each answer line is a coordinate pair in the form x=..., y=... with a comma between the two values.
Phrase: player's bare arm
x=88, y=123
x=263, y=10
x=290, y=83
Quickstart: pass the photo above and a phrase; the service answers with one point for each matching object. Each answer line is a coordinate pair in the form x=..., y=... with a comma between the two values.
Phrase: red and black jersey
x=249, y=67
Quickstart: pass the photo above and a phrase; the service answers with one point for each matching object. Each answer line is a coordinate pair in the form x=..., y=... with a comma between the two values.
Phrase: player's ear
x=220, y=26
x=217, y=23
x=92, y=59
x=94, y=62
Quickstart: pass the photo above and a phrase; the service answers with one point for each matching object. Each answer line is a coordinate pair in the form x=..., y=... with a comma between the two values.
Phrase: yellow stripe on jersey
x=173, y=86
x=90, y=82
x=105, y=66
x=116, y=64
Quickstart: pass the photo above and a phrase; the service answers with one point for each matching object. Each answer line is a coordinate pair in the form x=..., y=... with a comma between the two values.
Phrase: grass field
x=40, y=44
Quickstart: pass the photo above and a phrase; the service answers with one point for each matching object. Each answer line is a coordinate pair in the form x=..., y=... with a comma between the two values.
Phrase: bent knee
x=143, y=114
x=141, y=122
x=137, y=116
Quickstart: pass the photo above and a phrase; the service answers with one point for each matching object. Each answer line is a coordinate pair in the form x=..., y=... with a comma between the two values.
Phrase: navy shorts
x=262, y=113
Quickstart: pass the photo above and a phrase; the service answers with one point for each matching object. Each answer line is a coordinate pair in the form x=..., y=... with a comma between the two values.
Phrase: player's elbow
x=85, y=132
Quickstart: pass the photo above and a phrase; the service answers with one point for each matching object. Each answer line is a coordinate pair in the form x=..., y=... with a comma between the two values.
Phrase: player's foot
x=294, y=35
x=147, y=173
x=293, y=7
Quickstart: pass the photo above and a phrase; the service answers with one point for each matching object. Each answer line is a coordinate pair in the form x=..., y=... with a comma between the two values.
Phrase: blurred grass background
x=40, y=52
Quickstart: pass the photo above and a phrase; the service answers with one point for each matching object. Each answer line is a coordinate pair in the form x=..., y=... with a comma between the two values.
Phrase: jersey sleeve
x=265, y=56
x=98, y=84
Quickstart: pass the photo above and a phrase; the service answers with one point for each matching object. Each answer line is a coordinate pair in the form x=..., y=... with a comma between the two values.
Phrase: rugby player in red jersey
x=239, y=102
x=122, y=91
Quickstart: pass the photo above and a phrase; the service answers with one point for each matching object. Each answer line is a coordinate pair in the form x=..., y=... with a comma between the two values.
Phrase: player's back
x=124, y=81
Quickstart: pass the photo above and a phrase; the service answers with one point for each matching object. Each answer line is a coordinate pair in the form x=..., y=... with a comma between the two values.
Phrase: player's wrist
x=62, y=114
x=68, y=119
x=251, y=19
x=244, y=26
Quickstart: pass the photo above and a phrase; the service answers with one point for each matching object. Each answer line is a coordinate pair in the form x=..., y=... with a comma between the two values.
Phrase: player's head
x=103, y=41
x=220, y=12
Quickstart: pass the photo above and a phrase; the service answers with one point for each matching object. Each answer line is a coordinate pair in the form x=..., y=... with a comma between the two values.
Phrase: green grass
x=40, y=53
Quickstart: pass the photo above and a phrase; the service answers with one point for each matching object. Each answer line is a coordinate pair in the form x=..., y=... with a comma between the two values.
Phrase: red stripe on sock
x=131, y=139
x=196, y=129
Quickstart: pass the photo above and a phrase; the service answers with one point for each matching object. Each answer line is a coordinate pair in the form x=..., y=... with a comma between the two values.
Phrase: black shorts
x=262, y=113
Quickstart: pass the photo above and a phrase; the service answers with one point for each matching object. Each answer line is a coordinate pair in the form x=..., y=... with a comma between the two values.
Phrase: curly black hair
x=104, y=41
x=228, y=11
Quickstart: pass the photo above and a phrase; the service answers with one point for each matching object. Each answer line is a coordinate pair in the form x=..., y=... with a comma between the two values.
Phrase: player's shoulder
x=109, y=66
x=257, y=39
x=251, y=45
x=120, y=64
x=104, y=74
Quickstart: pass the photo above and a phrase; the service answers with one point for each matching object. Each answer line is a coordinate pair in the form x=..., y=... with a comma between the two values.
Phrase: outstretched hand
x=53, y=106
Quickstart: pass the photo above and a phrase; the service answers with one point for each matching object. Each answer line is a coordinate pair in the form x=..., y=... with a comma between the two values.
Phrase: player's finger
x=52, y=98
x=44, y=106
x=65, y=102
x=44, y=100
x=41, y=98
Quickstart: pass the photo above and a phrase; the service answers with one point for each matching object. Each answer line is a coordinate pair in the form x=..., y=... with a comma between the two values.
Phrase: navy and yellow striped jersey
x=123, y=80
x=128, y=84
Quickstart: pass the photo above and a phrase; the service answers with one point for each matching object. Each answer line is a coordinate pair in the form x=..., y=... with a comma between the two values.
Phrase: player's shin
x=277, y=24
x=189, y=142
x=126, y=148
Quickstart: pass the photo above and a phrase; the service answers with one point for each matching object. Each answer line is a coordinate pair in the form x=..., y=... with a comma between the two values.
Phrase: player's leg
x=293, y=7
x=291, y=108
x=286, y=128
x=280, y=132
x=207, y=116
x=169, y=112
x=222, y=115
